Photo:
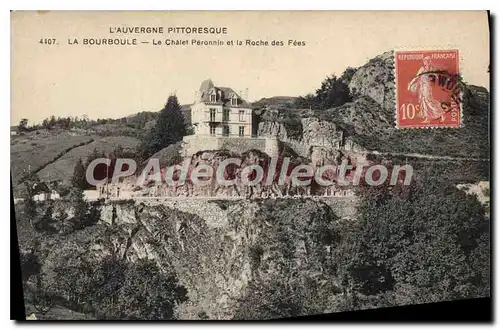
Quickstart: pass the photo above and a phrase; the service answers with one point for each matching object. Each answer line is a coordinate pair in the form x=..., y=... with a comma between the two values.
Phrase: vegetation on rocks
x=333, y=92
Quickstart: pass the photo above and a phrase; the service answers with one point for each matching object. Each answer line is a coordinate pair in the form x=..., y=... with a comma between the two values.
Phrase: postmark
x=428, y=89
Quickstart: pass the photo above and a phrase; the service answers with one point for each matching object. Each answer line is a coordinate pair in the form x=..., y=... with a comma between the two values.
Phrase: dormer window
x=234, y=100
x=213, y=95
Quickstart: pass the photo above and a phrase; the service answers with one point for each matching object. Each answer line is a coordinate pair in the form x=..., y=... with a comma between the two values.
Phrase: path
x=424, y=156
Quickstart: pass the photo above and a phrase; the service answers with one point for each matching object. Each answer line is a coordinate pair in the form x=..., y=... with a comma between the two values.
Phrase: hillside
x=53, y=155
x=36, y=151
x=369, y=120
x=275, y=101
x=62, y=169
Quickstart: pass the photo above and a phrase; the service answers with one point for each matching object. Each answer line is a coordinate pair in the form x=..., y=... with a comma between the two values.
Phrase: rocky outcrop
x=303, y=135
x=321, y=133
x=273, y=129
x=211, y=245
x=376, y=80
x=372, y=110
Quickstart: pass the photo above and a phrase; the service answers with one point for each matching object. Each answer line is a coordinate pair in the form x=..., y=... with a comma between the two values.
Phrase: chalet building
x=222, y=120
x=220, y=111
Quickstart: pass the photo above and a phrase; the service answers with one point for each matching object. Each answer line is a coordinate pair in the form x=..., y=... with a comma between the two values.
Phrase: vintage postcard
x=231, y=165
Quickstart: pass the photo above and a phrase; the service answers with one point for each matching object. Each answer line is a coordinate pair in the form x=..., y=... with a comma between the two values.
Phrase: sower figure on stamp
x=422, y=84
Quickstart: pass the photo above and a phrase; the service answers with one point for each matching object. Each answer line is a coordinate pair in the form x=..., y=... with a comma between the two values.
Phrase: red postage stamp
x=428, y=91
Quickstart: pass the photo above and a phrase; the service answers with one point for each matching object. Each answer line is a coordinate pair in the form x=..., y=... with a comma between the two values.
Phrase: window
x=225, y=115
x=213, y=97
x=242, y=115
x=225, y=130
x=234, y=100
x=242, y=131
x=212, y=130
x=212, y=114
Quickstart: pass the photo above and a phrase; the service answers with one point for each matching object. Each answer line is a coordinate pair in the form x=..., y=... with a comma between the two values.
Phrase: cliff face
x=372, y=111
x=273, y=129
x=217, y=249
x=368, y=122
x=305, y=135
x=375, y=79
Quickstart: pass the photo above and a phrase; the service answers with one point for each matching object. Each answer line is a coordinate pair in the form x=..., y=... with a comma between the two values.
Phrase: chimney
x=244, y=94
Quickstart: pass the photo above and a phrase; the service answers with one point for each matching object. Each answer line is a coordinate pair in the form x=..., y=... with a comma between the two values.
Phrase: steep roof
x=206, y=85
x=226, y=92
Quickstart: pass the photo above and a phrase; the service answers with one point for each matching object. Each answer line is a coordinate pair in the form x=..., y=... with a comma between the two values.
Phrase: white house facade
x=220, y=111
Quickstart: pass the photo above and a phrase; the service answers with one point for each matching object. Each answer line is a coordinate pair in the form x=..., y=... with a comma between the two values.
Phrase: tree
x=149, y=294
x=347, y=75
x=305, y=102
x=80, y=218
x=265, y=301
x=114, y=288
x=95, y=154
x=45, y=123
x=420, y=247
x=52, y=121
x=28, y=194
x=30, y=265
x=79, y=179
x=46, y=222
x=301, y=283
x=169, y=129
x=332, y=93
x=118, y=152
x=23, y=125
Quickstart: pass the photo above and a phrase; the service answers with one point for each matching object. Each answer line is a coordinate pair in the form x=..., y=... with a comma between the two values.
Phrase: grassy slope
x=53, y=157
x=168, y=156
x=38, y=151
x=62, y=170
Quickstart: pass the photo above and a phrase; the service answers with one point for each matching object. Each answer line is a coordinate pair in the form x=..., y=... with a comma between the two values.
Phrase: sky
x=116, y=81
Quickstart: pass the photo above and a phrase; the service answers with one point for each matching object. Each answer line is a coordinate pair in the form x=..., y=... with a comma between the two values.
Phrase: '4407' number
x=47, y=41
x=409, y=111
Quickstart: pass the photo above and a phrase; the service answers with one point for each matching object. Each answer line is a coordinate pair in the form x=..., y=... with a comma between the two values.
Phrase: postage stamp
x=428, y=91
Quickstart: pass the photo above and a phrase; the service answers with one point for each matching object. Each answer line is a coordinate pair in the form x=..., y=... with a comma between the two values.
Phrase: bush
x=116, y=289
x=421, y=243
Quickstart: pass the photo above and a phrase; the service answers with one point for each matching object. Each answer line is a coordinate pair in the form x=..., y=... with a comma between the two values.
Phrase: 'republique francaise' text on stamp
x=428, y=91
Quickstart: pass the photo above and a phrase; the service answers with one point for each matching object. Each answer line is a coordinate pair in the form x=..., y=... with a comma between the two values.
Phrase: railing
x=186, y=198
x=231, y=135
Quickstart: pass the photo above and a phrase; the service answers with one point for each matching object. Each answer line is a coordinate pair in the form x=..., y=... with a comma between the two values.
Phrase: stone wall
x=215, y=214
x=241, y=144
x=194, y=143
